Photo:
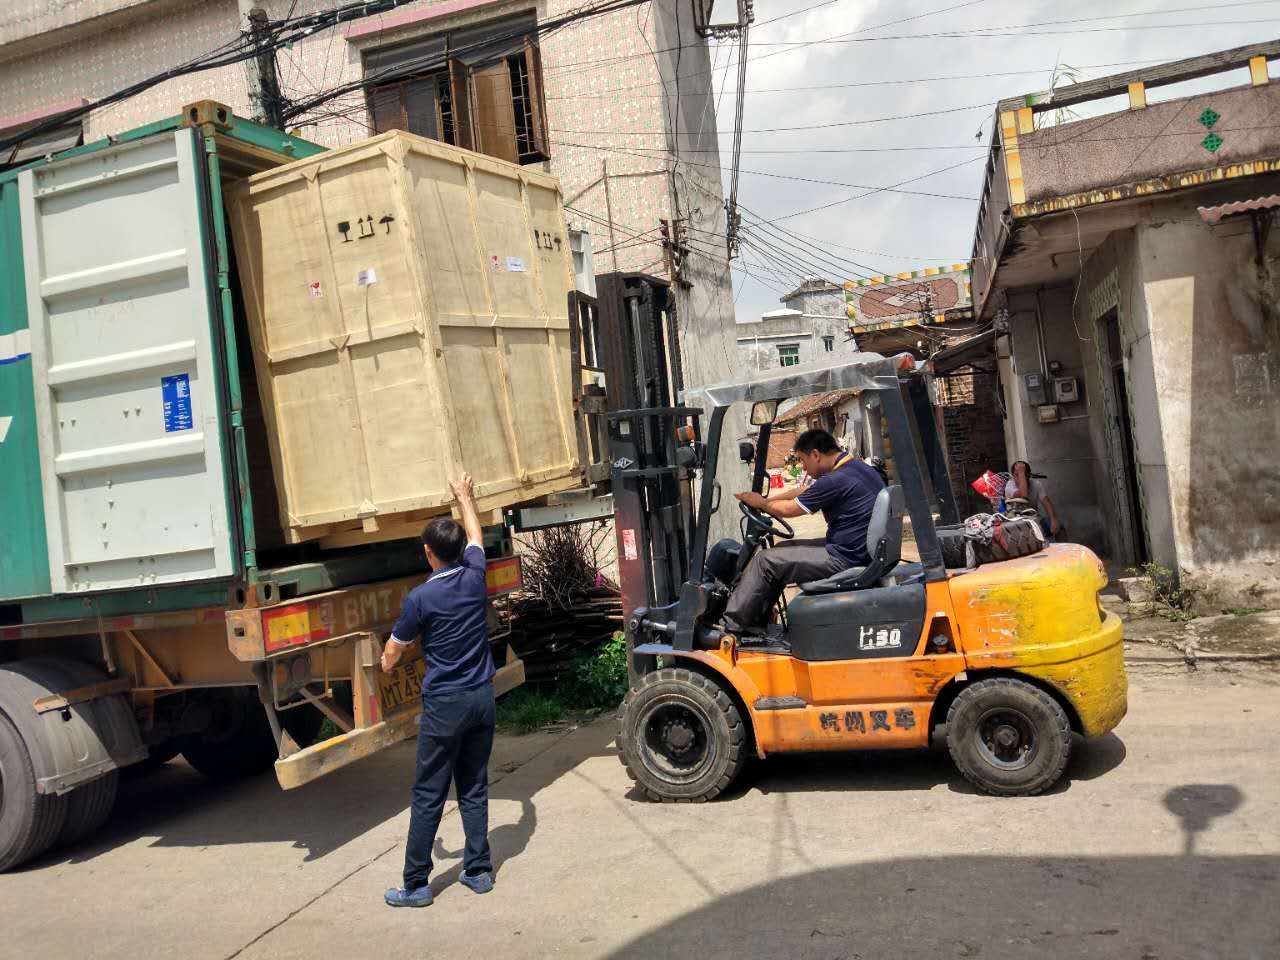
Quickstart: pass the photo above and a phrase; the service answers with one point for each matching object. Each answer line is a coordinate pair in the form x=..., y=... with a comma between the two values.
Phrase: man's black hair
x=446, y=538
x=819, y=440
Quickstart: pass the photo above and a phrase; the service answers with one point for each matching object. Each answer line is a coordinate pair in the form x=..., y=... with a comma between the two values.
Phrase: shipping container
x=151, y=599
x=408, y=308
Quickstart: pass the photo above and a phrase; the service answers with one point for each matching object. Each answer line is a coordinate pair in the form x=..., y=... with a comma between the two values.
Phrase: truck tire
x=88, y=808
x=682, y=738
x=1008, y=737
x=29, y=821
x=240, y=742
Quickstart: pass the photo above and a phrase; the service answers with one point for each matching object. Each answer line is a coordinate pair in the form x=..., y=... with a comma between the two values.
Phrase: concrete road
x=1163, y=842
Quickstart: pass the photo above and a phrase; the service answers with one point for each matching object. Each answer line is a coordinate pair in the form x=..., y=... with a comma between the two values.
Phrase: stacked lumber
x=548, y=636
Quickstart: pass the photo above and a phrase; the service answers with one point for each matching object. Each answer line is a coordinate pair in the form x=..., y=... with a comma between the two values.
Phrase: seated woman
x=1024, y=486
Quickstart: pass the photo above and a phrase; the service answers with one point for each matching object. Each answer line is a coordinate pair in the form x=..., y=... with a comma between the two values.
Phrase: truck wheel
x=682, y=738
x=88, y=807
x=238, y=742
x=29, y=821
x=1008, y=737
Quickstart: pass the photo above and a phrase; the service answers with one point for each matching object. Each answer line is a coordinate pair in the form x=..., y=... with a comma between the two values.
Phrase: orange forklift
x=1010, y=658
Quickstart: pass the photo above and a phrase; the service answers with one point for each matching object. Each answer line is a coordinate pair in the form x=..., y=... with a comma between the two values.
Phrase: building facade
x=1132, y=284
x=617, y=106
x=811, y=326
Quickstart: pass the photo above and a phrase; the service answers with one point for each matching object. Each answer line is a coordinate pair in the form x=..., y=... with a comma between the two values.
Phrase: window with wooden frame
x=480, y=88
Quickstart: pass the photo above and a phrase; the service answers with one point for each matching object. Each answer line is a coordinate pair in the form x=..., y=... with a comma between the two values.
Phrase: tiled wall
x=604, y=99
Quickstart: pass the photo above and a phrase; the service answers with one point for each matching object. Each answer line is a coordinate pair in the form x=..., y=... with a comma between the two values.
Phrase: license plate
x=401, y=689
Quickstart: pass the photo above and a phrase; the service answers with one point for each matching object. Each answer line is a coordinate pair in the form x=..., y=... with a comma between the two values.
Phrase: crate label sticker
x=629, y=551
x=315, y=289
x=515, y=265
x=175, y=391
x=366, y=277
x=496, y=263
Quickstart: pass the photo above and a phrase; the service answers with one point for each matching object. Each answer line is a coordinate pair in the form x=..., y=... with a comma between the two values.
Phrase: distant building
x=810, y=326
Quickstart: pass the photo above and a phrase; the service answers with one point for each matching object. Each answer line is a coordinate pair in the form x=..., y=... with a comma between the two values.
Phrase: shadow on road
x=179, y=807
x=1148, y=907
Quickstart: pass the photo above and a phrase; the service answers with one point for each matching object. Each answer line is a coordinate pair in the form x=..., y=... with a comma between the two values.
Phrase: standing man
x=844, y=488
x=455, y=731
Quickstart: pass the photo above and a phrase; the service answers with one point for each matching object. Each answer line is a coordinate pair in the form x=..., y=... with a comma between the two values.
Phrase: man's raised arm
x=464, y=491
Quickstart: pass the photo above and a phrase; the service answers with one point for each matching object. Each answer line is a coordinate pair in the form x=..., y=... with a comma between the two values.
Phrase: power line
x=991, y=31
x=862, y=83
x=987, y=105
x=893, y=188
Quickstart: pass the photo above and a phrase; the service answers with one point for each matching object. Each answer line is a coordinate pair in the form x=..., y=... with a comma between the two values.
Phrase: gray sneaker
x=400, y=897
x=477, y=882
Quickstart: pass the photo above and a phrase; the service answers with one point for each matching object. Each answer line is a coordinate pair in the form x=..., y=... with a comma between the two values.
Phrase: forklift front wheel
x=1008, y=737
x=682, y=739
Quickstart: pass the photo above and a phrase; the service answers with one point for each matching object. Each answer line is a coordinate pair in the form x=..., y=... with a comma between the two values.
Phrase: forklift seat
x=884, y=544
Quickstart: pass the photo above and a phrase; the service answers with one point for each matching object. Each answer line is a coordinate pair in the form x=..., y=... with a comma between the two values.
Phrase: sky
x=922, y=108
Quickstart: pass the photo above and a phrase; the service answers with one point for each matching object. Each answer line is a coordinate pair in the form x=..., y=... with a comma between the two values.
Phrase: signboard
x=932, y=295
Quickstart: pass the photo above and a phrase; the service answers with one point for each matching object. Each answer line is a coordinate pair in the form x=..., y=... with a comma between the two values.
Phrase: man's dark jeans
x=455, y=737
x=767, y=576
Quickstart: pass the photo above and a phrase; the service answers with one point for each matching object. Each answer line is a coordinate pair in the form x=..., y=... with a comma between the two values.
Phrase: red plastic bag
x=991, y=485
x=775, y=481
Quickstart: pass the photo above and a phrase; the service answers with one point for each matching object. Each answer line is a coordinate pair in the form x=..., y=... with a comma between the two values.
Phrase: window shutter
x=384, y=107
x=537, y=99
x=495, y=118
x=459, y=82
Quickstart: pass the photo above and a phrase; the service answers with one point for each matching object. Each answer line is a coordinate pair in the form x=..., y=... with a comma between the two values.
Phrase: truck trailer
x=156, y=596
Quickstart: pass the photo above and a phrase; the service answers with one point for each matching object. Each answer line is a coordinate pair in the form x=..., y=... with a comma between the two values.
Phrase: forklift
x=1008, y=660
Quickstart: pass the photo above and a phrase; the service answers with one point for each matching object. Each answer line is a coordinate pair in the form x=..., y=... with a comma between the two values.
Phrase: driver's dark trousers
x=768, y=574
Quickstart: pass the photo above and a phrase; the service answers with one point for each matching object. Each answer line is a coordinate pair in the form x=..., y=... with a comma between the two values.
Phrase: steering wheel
x=766, y=524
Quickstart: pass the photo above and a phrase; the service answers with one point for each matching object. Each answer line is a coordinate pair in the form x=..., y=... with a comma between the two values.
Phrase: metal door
x=123, y=361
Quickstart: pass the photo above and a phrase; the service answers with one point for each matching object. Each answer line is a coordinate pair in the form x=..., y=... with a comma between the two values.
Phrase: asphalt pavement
x=1162, y=842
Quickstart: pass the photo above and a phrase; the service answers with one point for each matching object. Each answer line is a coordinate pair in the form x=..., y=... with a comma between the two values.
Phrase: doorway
x=1126, y=481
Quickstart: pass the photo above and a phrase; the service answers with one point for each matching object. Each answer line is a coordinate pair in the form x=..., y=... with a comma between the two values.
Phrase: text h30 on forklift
x=1012, y=657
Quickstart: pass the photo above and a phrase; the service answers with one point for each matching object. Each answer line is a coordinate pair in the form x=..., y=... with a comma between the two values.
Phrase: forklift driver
x=844, y=488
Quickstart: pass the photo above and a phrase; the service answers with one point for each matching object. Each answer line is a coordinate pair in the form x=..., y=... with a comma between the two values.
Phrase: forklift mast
x=639, y=351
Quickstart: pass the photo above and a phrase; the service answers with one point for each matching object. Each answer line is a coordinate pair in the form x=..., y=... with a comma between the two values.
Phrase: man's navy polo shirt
x=448, y=611
x=845, y=496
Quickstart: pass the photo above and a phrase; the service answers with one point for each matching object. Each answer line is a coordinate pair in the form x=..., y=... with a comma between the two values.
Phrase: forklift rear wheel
x=682, y=738
x=1008, y=737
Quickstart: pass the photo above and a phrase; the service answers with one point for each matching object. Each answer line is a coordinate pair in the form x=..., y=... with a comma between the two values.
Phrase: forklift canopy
x=862, y=371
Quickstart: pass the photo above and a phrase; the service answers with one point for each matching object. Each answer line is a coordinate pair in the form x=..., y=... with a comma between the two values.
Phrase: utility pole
x=264, y=83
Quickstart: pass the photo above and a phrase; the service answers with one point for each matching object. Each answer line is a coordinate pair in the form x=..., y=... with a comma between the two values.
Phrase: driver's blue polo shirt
x=845, y=496
x=449, y=613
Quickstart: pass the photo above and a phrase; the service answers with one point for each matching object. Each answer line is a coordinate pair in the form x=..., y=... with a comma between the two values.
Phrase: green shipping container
x=131, y=384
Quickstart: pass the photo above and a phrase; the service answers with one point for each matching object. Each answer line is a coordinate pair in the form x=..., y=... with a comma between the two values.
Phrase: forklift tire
x=1008, y=737
x=682, y=739
x=89, y=807
x=29, y=822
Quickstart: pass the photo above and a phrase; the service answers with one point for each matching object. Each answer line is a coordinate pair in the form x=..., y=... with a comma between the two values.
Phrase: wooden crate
x=407, y=306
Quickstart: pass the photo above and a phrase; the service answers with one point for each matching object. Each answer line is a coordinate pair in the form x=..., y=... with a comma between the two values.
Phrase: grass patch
x=1244, y=611
x=1170, y=597
x=525, y=709
x=593, y=682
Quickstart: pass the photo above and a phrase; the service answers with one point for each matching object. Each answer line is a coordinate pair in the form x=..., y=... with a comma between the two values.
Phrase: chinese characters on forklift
x=763, y=412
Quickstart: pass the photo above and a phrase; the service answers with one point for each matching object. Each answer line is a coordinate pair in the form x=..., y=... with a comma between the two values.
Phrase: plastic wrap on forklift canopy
x=861, y=371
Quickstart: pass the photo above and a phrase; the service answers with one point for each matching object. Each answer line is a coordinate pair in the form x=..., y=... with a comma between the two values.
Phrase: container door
x=124, y=367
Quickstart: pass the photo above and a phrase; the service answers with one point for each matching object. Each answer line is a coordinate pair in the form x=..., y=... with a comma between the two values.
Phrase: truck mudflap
x=398, y=692
x=75, y=721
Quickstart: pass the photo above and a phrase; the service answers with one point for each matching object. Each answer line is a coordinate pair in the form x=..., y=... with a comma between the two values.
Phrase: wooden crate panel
x=407, y=306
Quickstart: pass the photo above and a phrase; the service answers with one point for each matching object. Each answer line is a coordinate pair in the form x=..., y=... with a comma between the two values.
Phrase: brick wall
x=974, y=433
